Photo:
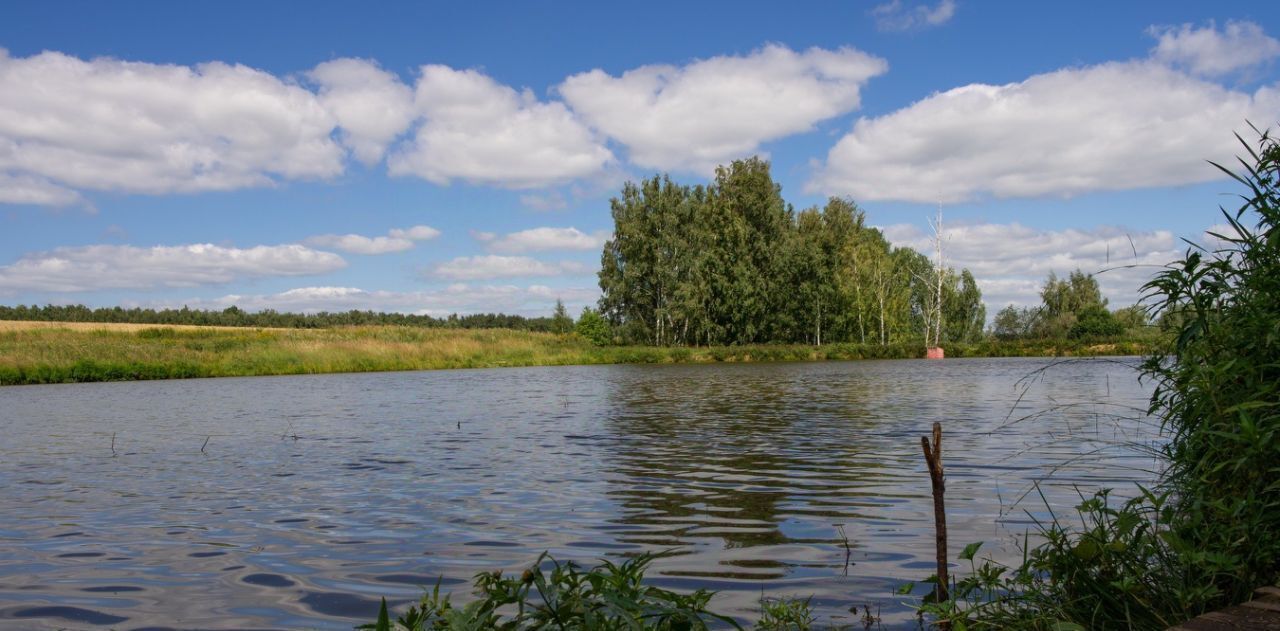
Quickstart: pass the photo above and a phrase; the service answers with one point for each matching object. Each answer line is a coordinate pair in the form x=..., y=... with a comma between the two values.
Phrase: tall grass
x=52, y=353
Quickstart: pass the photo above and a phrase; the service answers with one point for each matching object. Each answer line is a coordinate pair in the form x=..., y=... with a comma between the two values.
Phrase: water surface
x=297, y=502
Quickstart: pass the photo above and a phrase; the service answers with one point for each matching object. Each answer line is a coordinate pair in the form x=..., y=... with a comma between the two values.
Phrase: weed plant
x=609, y=597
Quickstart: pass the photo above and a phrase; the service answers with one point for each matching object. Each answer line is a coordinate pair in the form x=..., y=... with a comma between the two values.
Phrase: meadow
x=53, y=352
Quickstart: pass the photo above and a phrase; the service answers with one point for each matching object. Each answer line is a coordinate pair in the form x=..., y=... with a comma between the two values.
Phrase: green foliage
x=1013, y=323
x=607, y=597
x=1132, y=318
x=560, y=321
x=1218, y=388
x=1110, y=572
x=785, y=614
x=234, y=316
x=593, y=327
x=1071, y=294
x=731, y=263
x=963, y=313
x=1094, y=322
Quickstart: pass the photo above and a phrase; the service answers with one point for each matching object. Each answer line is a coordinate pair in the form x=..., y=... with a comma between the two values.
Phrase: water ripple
x=316, y=496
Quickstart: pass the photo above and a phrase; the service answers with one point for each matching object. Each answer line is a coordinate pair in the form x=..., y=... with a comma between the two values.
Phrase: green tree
x=747, y=221
x=593, y=327
x=1064, y=299
x=1132, y=318
x=964, y=315
x=560, y=320
x=1014, y=323
x=1095, y=321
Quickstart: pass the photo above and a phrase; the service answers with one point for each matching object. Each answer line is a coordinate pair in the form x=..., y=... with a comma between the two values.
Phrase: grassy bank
x=44, y=352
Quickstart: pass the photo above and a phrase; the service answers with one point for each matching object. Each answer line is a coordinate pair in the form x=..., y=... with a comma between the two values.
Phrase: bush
x=1095, y=322
x=607, y=597
x=1218, y=390
x=592, y=327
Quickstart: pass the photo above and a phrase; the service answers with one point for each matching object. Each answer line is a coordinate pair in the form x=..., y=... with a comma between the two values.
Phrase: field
x=54, y=352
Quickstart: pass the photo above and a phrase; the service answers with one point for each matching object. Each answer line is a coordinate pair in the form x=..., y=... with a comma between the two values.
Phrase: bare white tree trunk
x=941, y=273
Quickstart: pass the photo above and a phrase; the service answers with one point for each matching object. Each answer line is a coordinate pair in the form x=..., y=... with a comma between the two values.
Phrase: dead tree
x=933, y=457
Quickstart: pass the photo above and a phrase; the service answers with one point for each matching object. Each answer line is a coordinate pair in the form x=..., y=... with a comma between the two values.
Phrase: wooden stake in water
x=933, y=457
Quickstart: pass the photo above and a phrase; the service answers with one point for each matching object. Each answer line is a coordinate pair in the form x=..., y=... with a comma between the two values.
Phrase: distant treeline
x=234, y=316
x=732, y=263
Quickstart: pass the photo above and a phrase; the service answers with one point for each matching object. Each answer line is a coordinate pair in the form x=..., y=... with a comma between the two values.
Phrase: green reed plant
x=1218, y=389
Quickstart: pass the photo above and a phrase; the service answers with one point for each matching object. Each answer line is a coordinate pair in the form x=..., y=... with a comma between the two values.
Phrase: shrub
x=1094, y=322
x=592, y=327
x=608, y=597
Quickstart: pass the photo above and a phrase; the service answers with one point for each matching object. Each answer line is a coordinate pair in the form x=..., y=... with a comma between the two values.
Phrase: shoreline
x=55, y=352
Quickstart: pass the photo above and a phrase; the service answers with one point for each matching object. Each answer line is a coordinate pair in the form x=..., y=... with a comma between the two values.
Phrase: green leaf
x=384, y=621
x=970, y=550
x=1063, y=625
x=1086, y=550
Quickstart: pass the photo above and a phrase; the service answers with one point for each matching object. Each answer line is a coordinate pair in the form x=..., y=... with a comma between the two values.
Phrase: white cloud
x=136, y=127
x=716, y=110
x=92, y=267
x=417, y=233
x=493, y=266
x=894, y=16
x=1107, y=127
x=1011, y=261
x=533, y=300
x=544, y=239
x=483, y=132
x=38, y=191
x=1208, y=51
x=372, y=105
x=397, y=240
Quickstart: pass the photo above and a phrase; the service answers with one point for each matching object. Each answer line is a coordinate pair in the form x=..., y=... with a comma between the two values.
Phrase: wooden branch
x=933, y=458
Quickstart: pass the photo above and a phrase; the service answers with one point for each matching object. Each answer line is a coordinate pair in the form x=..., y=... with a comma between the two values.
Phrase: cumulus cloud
x=396, y=240
x=895, y=16
x=92, y=267
x=1112, y=126
x=112, y=125
x=1011, y=261
x=711, y=111
x=545, y=239
x=492, y=266
x=1208, y=51
x=532, y=300
x=483, y=132
x=372, y=106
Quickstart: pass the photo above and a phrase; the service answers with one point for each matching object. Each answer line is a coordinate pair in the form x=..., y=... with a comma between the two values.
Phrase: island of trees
x=732, y=263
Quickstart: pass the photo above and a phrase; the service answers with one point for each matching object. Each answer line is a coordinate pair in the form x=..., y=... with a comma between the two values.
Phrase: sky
x=438, y=158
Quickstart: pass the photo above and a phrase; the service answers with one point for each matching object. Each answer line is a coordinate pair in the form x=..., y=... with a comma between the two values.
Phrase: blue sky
x=436, y=159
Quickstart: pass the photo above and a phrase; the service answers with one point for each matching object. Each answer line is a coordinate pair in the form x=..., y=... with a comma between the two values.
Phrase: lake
x=298, y=502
